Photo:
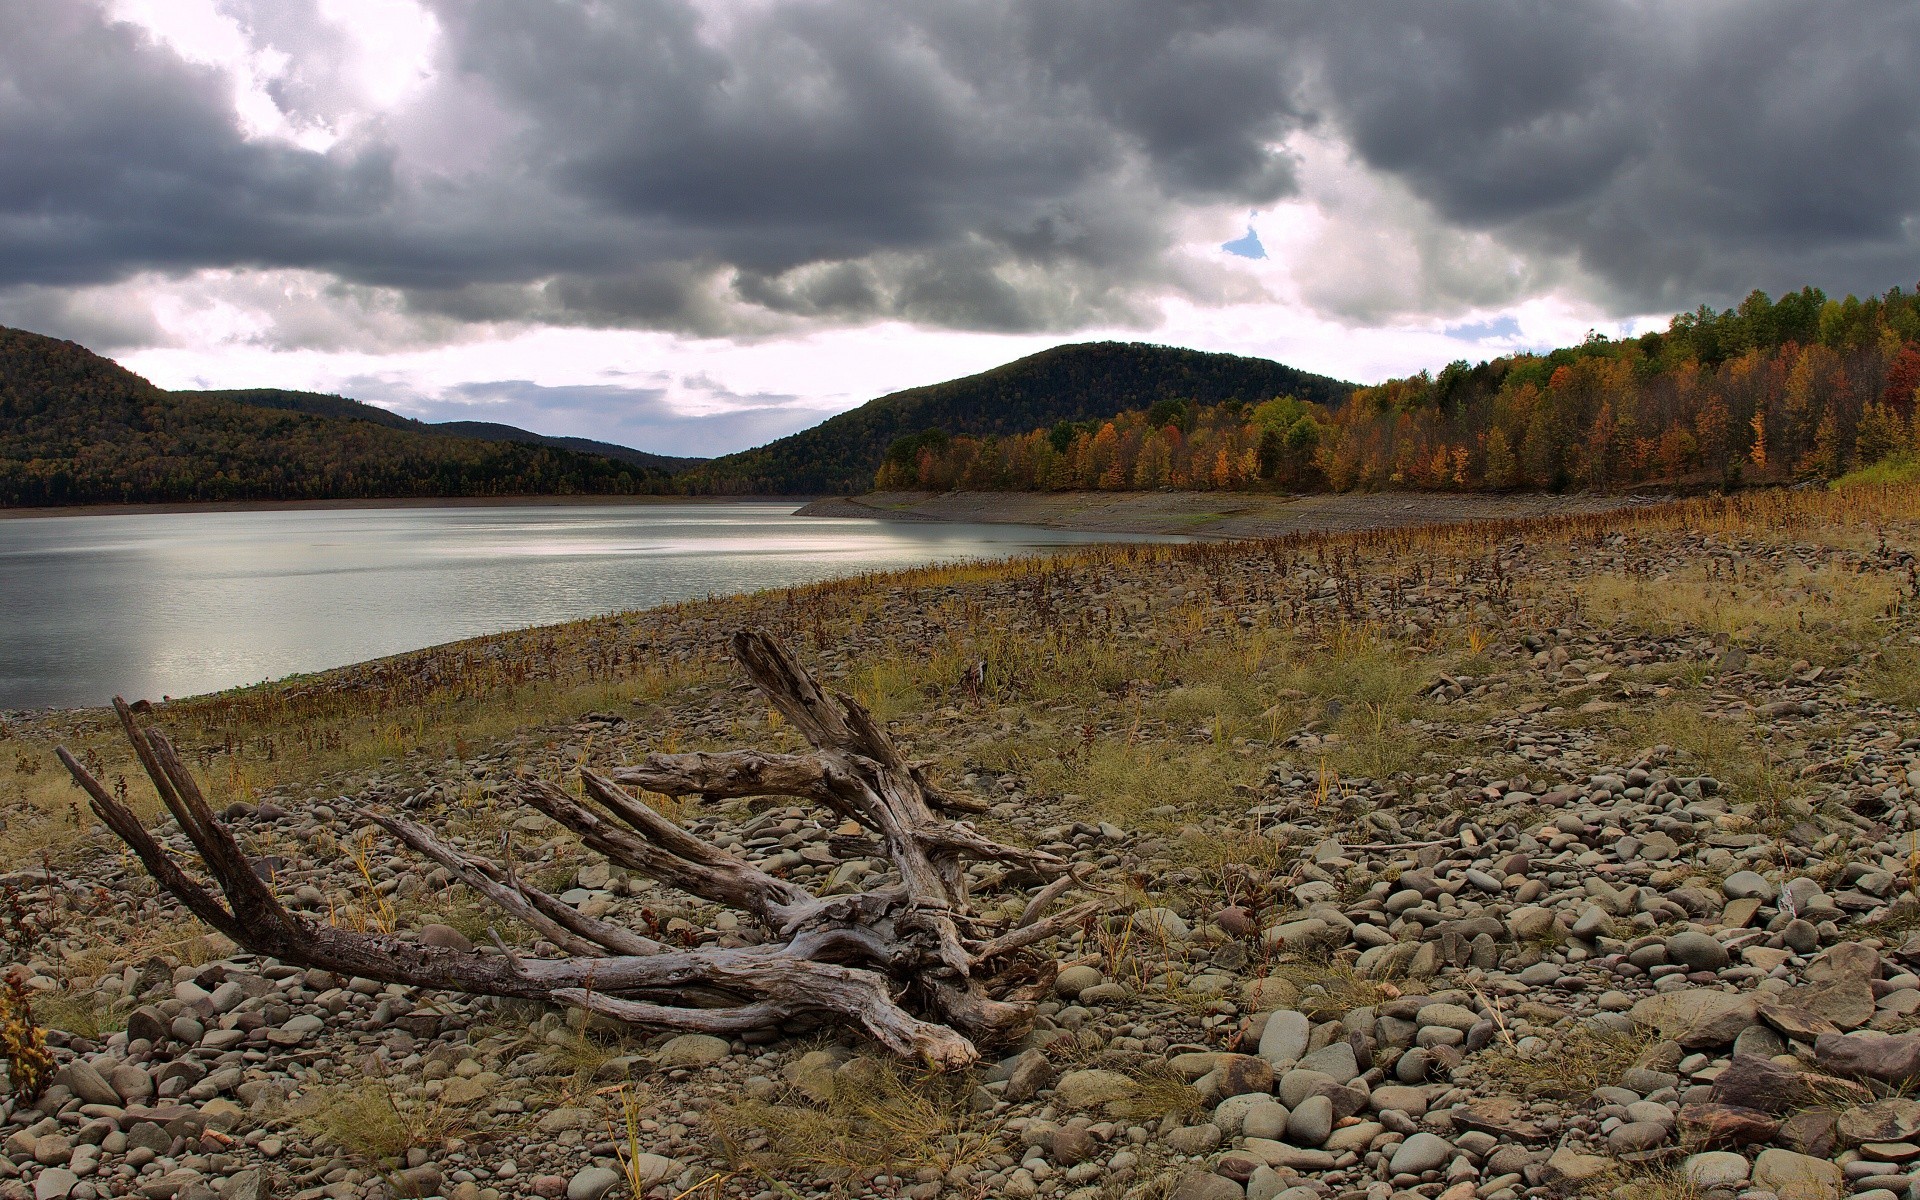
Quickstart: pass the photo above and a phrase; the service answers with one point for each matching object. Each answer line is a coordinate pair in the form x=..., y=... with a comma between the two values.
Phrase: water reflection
x=156, y=604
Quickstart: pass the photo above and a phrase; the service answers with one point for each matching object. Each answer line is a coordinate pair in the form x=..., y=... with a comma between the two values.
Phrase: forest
x=1772, y=391
x=76, y=428
x=1085, y=382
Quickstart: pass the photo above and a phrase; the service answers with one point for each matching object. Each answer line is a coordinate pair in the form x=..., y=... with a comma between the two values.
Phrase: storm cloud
x=755, y=169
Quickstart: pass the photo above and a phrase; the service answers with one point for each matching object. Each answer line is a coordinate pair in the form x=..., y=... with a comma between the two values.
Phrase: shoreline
x=195, y=506
x=1213, y=515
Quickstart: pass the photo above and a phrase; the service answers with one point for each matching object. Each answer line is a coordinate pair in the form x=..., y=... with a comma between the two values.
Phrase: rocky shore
x=1538, y=959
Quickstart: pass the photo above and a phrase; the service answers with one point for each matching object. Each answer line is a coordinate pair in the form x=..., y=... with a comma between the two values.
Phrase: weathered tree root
x=875, y=959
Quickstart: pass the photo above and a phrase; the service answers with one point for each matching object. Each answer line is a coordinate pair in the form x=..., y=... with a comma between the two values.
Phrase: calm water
x=176, y=604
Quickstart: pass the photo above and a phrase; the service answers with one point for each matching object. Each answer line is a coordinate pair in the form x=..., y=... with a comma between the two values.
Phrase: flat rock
x=1753, y=1082
x=692, y=1050
x=1205, y=1185
x=1726, y=1125
x=1794, y=1176
x=560, y=1119
x=1891, y=1120
x=1697, y=1018
x=1846, y=1002
x=1794, y=1021
x=1499, y=1116
x=1888, y=1058
x=1569, y=1166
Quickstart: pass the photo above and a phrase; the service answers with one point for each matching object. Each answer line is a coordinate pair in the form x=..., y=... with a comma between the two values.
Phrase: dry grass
x=878, y=1117
x=375, y=1120
x=1330, y=989
x=1580, y=1061
x=82, y=1013
x=1821, y=613
x=1894, y=677
x=1643, y=1181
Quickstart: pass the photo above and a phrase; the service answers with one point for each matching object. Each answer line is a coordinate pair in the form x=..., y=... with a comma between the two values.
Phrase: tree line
x=1766, y=392
x=76, y=428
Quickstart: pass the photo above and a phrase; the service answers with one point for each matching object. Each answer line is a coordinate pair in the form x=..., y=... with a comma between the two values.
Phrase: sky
x=694, y=227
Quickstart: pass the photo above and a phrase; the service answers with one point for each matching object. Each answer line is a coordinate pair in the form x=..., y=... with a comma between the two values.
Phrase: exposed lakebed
x=178, y=603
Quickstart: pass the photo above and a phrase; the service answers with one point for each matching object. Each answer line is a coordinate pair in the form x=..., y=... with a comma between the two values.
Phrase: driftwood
x=907, y=961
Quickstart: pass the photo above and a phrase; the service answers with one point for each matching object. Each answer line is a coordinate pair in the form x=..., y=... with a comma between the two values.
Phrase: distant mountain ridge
x=1079, y=382
x=325, y=404
x=77, y=428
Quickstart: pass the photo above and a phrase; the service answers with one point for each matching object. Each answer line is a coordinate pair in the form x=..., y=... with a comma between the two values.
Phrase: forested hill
x=1801, y=388
x=327, y=405
x=76, y=428
x=1067, y=383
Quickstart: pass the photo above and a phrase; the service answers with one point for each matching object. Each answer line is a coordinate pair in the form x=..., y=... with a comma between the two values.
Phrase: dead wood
x=908, y=960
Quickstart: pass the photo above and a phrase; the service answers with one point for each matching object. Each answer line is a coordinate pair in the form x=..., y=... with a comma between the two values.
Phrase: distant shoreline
x=1211, y=515
x=94, y=510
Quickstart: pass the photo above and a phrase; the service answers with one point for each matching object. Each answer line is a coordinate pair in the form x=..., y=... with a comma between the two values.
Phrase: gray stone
x=1336, y=1061
x=149, y=1136
x=1285, y=1038
x=692, y=1050
x=1635, y=1136
x=1394, y=1097
x=88, y=1084
x=1266, y=1120
x=248, y=1185
x=1697, y=1018
x=1797, y=1176
x=1194, y=1139
x=1265, y=1183
x=591, y=1183
x=1748, y=885
x=1420, y=1153
x=1076, y=979
x=1716, y=1169
x=1205, y=1185
x=650, y=1169
x=1760, y=1041
x=1311, y=1123
x=1697, y=952
x=444, y=936
x=55, y=1183
x=1446, y=1016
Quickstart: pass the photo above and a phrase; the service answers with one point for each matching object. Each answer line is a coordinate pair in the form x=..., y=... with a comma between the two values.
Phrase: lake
x=178, y=603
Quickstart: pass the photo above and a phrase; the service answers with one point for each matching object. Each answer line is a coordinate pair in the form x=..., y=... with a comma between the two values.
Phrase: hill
x=1067, y=383
x=327, y=405
x=1770, y=392
x=76, y=428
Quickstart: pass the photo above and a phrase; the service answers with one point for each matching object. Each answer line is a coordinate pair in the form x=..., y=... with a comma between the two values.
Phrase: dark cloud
x=1683, y=151
x=121, y=157
x=995, y=164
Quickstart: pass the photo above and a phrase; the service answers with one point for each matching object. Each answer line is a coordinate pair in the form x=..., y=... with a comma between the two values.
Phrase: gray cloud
x=628, y=415
x=1008, y=165
x=1681, y=150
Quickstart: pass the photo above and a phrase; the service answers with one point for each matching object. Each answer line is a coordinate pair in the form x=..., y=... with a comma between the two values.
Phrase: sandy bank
x=1206, y=514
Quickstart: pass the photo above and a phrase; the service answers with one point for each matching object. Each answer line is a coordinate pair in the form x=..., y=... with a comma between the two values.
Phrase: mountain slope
x=1066, y=383
x=76, y=428
x=327, y=405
